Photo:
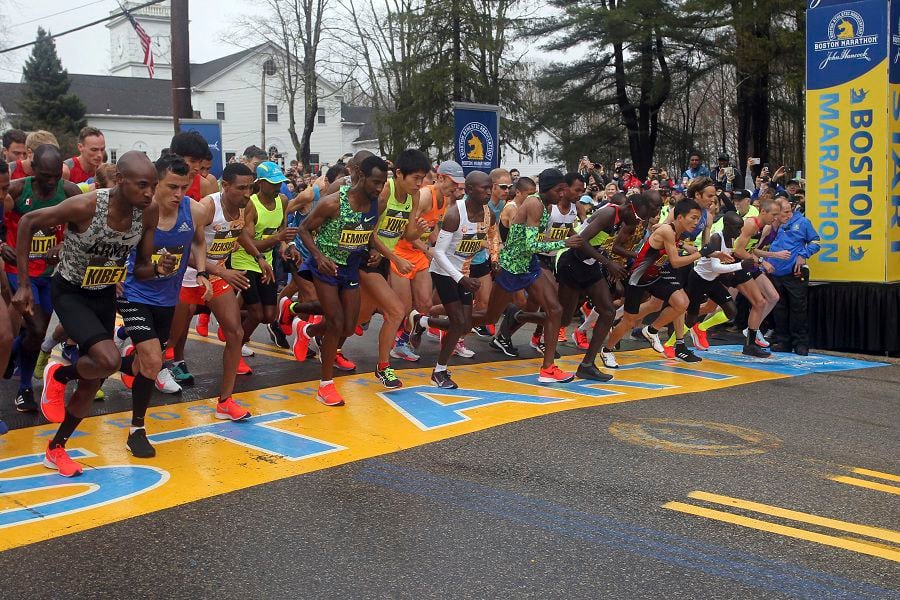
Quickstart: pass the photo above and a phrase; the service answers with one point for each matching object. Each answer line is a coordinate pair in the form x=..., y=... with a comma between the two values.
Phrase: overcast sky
x=87, y=51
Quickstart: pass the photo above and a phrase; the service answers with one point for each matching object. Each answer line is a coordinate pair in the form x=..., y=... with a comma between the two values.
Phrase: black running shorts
x=88, y=316
x=699, y=289
x=662, y=287
x=259, y=292
x=573, y=272
x=145, y=322
x=450, y=291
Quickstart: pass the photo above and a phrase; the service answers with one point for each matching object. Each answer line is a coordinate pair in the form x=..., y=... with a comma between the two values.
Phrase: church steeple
x=125, y=48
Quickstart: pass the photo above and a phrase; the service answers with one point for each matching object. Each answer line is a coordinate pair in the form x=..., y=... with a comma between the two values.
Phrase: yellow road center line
x=864, y=483
x=282, y=355
x=877, y=474
x=784, y=513
x=802, y=534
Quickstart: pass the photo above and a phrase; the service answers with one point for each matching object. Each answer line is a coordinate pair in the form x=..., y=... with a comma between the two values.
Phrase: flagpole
x=181, y=64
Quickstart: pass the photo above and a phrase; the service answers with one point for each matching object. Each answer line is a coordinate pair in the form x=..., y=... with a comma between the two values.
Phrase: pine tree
x=46, y=102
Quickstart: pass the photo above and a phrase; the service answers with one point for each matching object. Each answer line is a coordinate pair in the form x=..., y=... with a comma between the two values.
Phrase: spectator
x=796, y=241
x=695, y=169
x=726, y=174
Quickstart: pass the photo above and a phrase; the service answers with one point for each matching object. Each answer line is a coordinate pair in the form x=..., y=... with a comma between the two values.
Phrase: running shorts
x=88, y=316
x=572, y=271
x=662, y=287
x=480, y=270
x=737, y=278
x=40, y=290
x=512, y=282
x=450, y=291
x=259, y=292
x=699, y=289
x=383, y=268
x=546, y=261
x=145, y=322
x=418, y=259
x=347, y=277
x=194, y=295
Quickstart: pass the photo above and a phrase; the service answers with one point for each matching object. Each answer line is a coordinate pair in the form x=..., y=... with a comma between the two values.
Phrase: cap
x=452, y=169
x=678, y=189
x=270, y=172
x=724, y=156
x=741, y=195
x=549, y=179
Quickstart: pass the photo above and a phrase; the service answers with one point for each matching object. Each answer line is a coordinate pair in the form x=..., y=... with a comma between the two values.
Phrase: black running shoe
x=592, y=372
x=442, y=380
x=139, y=445
x=11, y=365
x=683, y=353
x=388, y=378
x=415, y=328
x=277, y=336
x=756, y=351
x=25, y=401
x=504, y=345
x=481, y=331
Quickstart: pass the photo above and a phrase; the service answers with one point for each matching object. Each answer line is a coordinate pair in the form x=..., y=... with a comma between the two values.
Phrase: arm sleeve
x=533, y=245
x=441, y=249
x=717, y=267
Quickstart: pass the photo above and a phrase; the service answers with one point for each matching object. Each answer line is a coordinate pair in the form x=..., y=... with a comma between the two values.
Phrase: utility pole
x=262, y=109
x=181, y=64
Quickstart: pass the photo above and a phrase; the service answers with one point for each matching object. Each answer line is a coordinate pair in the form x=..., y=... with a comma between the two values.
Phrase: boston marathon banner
x=477, y=136
x=853, y=139
x=212, y=133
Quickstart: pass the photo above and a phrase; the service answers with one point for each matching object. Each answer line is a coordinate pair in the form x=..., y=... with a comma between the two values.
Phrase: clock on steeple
x=125, y=48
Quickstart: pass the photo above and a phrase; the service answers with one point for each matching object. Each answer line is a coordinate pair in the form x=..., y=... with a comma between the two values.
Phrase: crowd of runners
x=161, y=247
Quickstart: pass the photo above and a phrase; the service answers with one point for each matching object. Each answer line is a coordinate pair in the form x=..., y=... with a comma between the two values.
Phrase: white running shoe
x=609, y=359
x=247, y=351
x=120, y=343
x=404, y=352
x=462, y=351
x=166, y=383
x=761, y=340
x=653, y=338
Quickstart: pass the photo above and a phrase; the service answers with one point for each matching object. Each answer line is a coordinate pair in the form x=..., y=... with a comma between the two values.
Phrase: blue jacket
x=702, y=171
x=797, y=236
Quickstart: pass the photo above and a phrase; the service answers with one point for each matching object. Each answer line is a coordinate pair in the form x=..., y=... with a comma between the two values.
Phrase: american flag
x=146, y=41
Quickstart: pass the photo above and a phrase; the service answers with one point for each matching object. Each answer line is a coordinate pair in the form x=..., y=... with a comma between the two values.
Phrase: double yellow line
x=871, y=485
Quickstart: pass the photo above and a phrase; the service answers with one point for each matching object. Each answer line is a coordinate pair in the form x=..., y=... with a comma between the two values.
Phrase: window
x=314, y=159
x=113, y=155
x=321, y=116
x=220, y=111
x=271, y=113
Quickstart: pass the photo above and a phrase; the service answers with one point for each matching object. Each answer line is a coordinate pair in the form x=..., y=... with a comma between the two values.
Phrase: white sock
x=423, y=321
x=619, y=312
x=324, y=383
x=439, y=368
x=133, y=429
x=589, y=321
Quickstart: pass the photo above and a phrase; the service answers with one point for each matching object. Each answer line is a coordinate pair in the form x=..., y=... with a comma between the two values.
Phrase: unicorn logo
x=846, y=30
x=476, y=148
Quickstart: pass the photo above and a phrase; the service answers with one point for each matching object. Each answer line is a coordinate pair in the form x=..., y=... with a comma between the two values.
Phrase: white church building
x=242, y=91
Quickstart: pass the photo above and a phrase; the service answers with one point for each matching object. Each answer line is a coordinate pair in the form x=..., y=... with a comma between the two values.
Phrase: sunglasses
x=504, y=186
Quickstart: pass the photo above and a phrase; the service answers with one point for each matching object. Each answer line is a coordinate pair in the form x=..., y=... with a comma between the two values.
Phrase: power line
x=85, y=26
x=56, y=14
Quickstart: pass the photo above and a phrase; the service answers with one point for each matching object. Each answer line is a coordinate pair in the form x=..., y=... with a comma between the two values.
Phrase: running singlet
x=603, y=240
x=704, y=269
x=267, y=224
x=515, y=258
x=559, y=226
x=18, y=172
x=296, y=218
x=221, y=237
x=77, y=174
x=393, y=222
x=194, y=190
x=432, y=217
x=163, y=291
x=646, y=267
x=95, y=258
x=44, y=239
x=467, y=240
x=346, y=238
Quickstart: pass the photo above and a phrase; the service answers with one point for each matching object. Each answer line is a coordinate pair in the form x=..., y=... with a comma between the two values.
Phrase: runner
x=22, y=166
x=6, y=329
x=44, y=189
x=481, y=268
x=194, y=149
x=223, y=228
x=103, y=227
x=91, y=148
x=147, y=306
x=344, y=223
x=13, y=146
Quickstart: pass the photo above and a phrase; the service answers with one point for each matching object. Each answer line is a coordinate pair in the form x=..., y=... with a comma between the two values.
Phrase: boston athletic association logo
x=846, y=39
x=475, y=144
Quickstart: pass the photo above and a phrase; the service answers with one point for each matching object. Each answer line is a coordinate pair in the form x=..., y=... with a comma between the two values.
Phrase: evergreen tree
x=46, y=102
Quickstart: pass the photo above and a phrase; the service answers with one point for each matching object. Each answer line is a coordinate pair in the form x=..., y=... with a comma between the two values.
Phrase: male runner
x=481, y=268
x=21, y=167
x=344, y=223
x=103, y=227
x=148, y=305
x=194, y=149
x=14, y=145
x=45, y=188
x=91, y=146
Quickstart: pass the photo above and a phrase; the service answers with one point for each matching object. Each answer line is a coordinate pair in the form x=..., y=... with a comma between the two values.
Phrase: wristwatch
x=203, y=274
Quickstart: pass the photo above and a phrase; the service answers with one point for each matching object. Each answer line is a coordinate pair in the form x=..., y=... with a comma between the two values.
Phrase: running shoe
x=243, y=368
x=220, y=333
x=4, y=428
x=492, y=329
x=41, y=363
x=801, y=350
x=181, y=375
x=609, y=359
x=169, y=354
x=25, y=401
x=537, y=342
x=388, y=378
x=761, y=340
x=699, y=337
x=442, y=380
x=329, y=396
x=277, y=336
x=755, y=351
x=586, y=310
x=202, y=328
x=342, y=363
x=504, y=345
x=301, y=340
x=592, y=373
x=359, y=331
x=53, y=396
x=653, y=338
x=415, y=328
x=561, y=338
x=404, y=352
x=69, y=352
x=166, y=383
x=139, y=445
x=228, y=409
x=481, y=331
x=683, y=353
x=461, y=350
x=285, y=316
x=669, y=352
x=247, y=351
x=100, y=395
x=127, y=380
x=554, y=374
x=121, y=344
x=433, y=333
x=57, y=458
x=580, y=338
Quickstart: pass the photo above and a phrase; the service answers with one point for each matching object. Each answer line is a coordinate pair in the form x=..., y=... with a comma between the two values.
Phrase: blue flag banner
x=477, y=139
x=212, y=133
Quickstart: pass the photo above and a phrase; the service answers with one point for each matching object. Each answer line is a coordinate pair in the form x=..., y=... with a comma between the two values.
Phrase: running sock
x=324, y=383
x=127, y=364
x=714, y=319
x=48, y=343
x=589, y=321
x=403, y=338
x=751, y=336
x=121, y=333
x=651, y=329
x=423, y=321
x=27, y=362
x=383, y=366
x=619, y=313
x=671, y=339
x=66, y=373
x=66, y=429
x=439, y=368
x=141, y=392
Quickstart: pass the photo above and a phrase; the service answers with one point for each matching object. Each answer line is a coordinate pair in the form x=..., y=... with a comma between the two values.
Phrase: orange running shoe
x=57, y=458
x=554, y=374
x=202, y=328
x=127, y=380
x=228, y=410
x=329, y=396
x=580, y=338
x=301, y=340
x=285, y=316
x=492, y=329
x=669, y=352
x=342, y=363
x=243, y=368
x=562, y=335
x=170, y=353
x=53, y=396
x=699, y=336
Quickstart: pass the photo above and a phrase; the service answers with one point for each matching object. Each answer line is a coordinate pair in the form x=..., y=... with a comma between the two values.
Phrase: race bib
x=102, y=272
x=558, y=231
x=268, y=232
x=176, y=251
x=354, y=240
x=223, y=241
x=41, y=244
x=469, y=245
x=394, y=224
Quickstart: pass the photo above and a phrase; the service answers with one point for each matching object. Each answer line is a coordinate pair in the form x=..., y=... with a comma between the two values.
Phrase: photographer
x=725, y=174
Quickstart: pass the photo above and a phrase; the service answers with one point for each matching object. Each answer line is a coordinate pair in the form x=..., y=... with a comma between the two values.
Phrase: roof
x=105, y=94
x=200, y=72
x=360, y=114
